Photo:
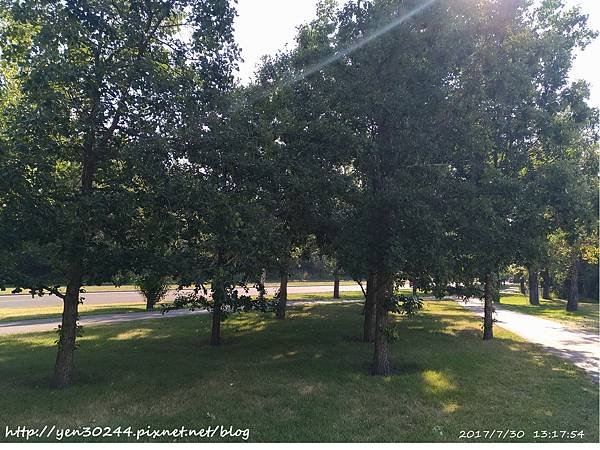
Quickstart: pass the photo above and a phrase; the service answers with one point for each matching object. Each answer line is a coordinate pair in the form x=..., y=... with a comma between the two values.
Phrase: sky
x=265, y=26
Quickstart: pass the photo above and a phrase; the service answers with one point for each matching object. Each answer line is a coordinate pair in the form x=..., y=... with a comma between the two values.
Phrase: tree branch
x=54, y=291
x=361, y=287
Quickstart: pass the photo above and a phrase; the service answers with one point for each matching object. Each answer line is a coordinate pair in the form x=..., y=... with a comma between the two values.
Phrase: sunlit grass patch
x=137, y=333
x=436, y=381
x=586, y=317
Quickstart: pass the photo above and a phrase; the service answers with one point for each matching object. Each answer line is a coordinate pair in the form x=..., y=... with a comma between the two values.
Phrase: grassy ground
x=586, y=317
x=303, y=379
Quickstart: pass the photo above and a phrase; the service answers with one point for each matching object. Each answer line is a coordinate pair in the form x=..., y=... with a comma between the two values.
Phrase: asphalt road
x=12, y=301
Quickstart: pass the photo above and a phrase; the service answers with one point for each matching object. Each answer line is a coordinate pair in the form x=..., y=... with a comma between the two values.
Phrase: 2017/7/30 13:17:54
x=520, y=434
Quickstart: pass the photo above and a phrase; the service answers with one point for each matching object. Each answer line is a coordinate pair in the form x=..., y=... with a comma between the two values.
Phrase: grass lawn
x=586, y=317
x=303, y=379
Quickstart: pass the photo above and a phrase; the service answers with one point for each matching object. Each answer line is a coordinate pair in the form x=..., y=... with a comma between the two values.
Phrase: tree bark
x=336, y=284
x=215, y=334
x=282, y=304
x=573, y=298
x=497, y=288
x=382, y=353
x=414, y=288
x=370, y=309
x=218, y=297
x=534, y=291
x=488, y=308
x=149, y=304
x=63, y=367
x=546, y=284
x=522, y=285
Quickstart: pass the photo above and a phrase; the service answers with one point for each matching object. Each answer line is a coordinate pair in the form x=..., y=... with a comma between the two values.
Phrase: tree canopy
x=438, y=142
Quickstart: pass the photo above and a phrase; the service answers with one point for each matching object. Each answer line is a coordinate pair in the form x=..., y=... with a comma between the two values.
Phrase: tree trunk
x=381, y=356
x=497, y=288
x=336, y=284
x=488, y=308
x=414, y=288
x=280, y=314
x=218, y=296
x=546, y=284
x=63, y=367
x=522, y=285
x=261, y=284
x=534, y=291
x=149, y=304
x=215, y=334
x=573, y=298
x=370, y=309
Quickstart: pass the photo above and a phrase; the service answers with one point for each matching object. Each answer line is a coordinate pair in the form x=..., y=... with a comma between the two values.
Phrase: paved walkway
x=40, y=325
x=579, y=347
